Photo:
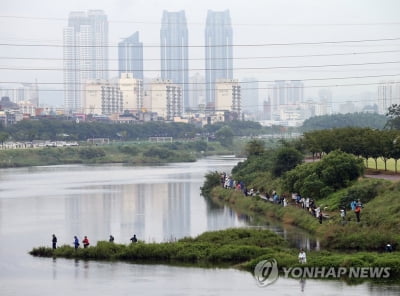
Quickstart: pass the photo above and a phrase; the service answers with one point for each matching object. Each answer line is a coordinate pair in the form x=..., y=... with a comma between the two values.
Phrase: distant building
x=174, y=52
x=85, y=51
x=388, y=94
x=102, y=98
x=218, y=51
x=347, y=107
x=6, y=104
x=197, y=91
x=165, y=99
x=27, y=108
x=228, y=96
x=295, y=91
x=250, y=95
x=266, y=110
x=132, y=92
x=286, y=93
x=130, y=56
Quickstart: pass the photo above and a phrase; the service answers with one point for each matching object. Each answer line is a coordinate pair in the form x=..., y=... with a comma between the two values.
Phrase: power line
x=202, y=59
x=194, y=23
x=203, y=69
x=205, y=46
x=247, y=88
x=205, y=83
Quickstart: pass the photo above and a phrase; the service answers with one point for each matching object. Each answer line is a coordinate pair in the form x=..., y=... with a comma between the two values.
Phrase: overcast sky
x=254, y=23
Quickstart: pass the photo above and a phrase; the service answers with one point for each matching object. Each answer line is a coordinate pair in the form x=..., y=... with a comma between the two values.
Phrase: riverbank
x=380, y=217
x=239, y=248
x=145, y=153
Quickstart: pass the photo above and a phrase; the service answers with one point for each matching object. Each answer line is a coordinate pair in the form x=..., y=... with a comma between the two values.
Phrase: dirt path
x=393, y=178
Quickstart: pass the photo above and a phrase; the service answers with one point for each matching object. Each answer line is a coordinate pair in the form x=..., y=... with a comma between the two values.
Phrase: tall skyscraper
x=174, y=51
x=219, y=53
x=85, y=45
x=130, y=56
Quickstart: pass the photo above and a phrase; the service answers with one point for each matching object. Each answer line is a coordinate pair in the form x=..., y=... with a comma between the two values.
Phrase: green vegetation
x=362, y=142
x=242, y=248
x=362, y=120
x=227, y=246
x=262, y=211
x=70, y=130
x=319, y=179
x=126, y=153
x=332, y=182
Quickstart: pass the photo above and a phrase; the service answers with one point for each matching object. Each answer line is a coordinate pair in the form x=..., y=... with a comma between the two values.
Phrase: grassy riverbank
x=262, y=211
x=144, y=153
x=241, y=248
x=380, y=217
x=231, y=245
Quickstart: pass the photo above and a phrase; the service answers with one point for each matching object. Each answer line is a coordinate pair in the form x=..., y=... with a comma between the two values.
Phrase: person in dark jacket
x=134, y=239
x=54, y=241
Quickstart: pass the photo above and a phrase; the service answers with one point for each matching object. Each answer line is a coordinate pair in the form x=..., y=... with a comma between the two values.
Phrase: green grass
x=231, y=245
x=390, y=164
x=380, y=217
x=263, y=211
x=131, y=154
x=241, y=248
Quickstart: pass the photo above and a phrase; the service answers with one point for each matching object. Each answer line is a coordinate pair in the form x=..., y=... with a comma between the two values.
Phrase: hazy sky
x=259, y=23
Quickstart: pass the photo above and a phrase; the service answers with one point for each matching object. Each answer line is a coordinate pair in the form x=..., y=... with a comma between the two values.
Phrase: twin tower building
x=89, y=90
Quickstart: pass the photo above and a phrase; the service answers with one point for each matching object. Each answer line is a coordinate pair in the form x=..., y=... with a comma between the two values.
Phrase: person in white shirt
x=302, y=257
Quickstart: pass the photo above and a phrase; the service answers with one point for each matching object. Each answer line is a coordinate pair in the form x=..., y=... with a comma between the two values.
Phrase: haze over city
x=322, y=43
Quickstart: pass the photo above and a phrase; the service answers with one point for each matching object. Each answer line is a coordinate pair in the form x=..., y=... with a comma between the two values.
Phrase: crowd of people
x=86, y=242
x=308, y=204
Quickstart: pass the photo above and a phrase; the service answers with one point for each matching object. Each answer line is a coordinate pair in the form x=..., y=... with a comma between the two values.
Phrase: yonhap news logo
x=266, y=272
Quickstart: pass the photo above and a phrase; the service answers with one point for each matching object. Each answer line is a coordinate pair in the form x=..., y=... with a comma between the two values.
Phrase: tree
x=318, y=179
x=3, y=137
x=255, y=147
x=287, y=158
x=225, y=136
x=393, y=116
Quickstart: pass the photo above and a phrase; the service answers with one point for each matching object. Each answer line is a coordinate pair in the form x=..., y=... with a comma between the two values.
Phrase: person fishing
x=85, y=242
x=76, y=242
x=54, y=241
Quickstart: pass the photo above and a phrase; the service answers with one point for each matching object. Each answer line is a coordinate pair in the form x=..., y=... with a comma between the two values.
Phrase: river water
x=157, y=203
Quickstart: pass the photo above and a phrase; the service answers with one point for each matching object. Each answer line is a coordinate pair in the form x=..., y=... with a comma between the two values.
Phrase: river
x=157, y=203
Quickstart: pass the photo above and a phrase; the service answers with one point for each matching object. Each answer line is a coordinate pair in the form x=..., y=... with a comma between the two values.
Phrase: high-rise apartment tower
x=174, y=51
x=218, y=51
x=85, y=52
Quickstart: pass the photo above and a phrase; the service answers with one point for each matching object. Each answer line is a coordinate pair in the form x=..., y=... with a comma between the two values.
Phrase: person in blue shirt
x=76, y=242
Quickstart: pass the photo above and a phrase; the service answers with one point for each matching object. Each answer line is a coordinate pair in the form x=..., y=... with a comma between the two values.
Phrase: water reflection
x=156, y=203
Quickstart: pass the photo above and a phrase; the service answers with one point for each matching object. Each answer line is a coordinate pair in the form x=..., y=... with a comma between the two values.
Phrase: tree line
x=362, y=142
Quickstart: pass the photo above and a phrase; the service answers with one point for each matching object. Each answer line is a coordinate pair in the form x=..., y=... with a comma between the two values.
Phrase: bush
x=131, y=150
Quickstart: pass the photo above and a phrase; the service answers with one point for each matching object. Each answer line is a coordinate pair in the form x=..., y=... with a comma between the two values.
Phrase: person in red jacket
x=85, y=242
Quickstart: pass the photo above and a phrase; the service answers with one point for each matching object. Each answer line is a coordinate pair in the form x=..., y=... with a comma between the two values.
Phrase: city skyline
x=269, y=45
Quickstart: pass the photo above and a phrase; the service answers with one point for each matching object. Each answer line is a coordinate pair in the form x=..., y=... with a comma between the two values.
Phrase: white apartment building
x=102, y=97
x=228, y=96
x=165, y=99
x=132, y=92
